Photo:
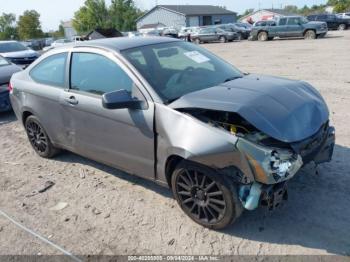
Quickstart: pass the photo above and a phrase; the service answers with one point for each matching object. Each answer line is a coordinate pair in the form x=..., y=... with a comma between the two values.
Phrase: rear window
x=51, y=70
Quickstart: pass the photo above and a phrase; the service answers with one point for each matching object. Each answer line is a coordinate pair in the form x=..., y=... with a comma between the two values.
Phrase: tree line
x=27, y=26
x=340, y=6
x=121, y=15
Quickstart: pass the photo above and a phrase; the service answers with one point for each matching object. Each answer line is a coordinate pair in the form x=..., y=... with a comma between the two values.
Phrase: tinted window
x=51, y=70
x=322, y=17
x=97, y=74
x=283, y=21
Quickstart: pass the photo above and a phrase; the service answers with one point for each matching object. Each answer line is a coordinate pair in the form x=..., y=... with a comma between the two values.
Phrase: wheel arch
x=309, y=29
x=170, y=165
x=25, y=114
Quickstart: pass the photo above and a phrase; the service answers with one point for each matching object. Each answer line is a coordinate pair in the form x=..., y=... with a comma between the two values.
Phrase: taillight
x=10, y=88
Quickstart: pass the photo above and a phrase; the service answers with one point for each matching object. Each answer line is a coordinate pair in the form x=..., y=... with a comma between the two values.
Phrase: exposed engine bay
x=273, y=162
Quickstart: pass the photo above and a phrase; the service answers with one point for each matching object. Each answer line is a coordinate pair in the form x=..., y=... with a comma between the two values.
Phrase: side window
x=293, y=21
x=51, y=70
x=283, y=21
x=94, y=73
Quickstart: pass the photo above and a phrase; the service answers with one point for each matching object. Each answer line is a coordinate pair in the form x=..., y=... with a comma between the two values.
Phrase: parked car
x=213, y=34
x=153, y=33
x=289, y=26
x=133, y=34
x=244, y=25
x=17, y=53
x=265, y=23
x=241, y=31
x=185, y=33
x=170, y=32
x=344, y=15
x=6, y=71
x=333, y=22
x=57, y=43
x=174, y=113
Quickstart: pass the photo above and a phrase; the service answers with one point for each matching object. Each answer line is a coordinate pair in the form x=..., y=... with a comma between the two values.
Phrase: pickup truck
x=289, y=26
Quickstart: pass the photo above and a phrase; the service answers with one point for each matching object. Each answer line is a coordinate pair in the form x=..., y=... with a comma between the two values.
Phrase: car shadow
x=317, y=214
x=7, y=117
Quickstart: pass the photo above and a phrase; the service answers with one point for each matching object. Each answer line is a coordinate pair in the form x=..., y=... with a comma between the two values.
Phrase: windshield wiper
x=232, y=78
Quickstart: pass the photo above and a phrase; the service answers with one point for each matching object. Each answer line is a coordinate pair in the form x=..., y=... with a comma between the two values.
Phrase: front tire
x=38, y=138
x=205, y=196
x=263, y=36
x=222, y=39
x=310, y=35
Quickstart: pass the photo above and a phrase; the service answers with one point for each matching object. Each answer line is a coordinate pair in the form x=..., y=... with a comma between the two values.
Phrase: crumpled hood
x=286, y=110
x=20, y=54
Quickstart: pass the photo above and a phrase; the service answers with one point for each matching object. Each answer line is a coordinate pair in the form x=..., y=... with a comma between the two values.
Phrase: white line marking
x=40, y=237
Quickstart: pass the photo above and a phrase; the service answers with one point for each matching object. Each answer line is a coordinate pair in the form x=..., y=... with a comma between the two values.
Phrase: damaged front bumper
x=272, y=168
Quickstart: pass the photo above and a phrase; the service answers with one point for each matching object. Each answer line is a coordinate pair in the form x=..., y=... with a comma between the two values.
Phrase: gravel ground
x=109, y=212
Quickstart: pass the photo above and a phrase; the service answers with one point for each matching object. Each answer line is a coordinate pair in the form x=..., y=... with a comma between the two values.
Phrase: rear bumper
x=5, y=104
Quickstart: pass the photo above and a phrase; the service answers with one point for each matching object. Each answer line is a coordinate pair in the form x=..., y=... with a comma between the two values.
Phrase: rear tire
x=310, y=35
x=263, y=36
x=39, y=139
x=205, y=196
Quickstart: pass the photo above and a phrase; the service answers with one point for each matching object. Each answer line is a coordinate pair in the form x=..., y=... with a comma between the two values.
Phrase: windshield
x=178, y=68
x=11, y=47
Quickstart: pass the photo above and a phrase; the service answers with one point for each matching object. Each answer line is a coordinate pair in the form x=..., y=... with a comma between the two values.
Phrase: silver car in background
x=174, y=113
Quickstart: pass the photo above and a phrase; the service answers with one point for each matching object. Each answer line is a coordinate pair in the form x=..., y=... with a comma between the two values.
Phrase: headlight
x=279, y=166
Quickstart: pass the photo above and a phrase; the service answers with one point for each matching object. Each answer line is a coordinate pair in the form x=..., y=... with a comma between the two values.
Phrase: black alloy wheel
x=38, y=138
x=204, y=196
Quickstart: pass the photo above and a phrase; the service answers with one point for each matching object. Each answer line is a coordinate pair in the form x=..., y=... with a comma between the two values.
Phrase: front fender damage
x=224, y=141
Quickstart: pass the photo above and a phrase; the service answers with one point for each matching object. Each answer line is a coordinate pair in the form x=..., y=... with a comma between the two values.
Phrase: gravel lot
x=109, y=212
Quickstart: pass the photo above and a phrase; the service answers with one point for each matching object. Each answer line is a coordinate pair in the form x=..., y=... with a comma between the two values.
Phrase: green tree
x=123, y=14
x=340, y=5
x=8, y=26
x=94, y=14
x=246, y=12
x=29, y=25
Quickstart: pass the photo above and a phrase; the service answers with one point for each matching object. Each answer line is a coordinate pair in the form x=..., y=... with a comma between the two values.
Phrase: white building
x=69, y=31
x=264, y=14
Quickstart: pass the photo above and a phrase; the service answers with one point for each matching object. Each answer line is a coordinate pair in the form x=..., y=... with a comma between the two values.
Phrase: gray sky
x=53, y=11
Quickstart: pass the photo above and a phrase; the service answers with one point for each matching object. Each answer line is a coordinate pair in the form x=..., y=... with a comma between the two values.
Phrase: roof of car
x=123, y=43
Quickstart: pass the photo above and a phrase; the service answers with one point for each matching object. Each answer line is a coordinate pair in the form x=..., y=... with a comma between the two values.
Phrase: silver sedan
x=174, y=113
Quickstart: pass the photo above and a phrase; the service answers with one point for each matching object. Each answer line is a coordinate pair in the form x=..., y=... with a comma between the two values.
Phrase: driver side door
x=122, y=138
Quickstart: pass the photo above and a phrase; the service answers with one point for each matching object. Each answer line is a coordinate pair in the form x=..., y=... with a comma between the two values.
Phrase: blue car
x=6, y=71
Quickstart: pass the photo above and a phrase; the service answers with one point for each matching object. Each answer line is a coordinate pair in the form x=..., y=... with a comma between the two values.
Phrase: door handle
x=71, y=100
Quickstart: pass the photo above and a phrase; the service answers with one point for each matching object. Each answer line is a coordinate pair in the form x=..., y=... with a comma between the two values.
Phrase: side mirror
x=121, y=99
